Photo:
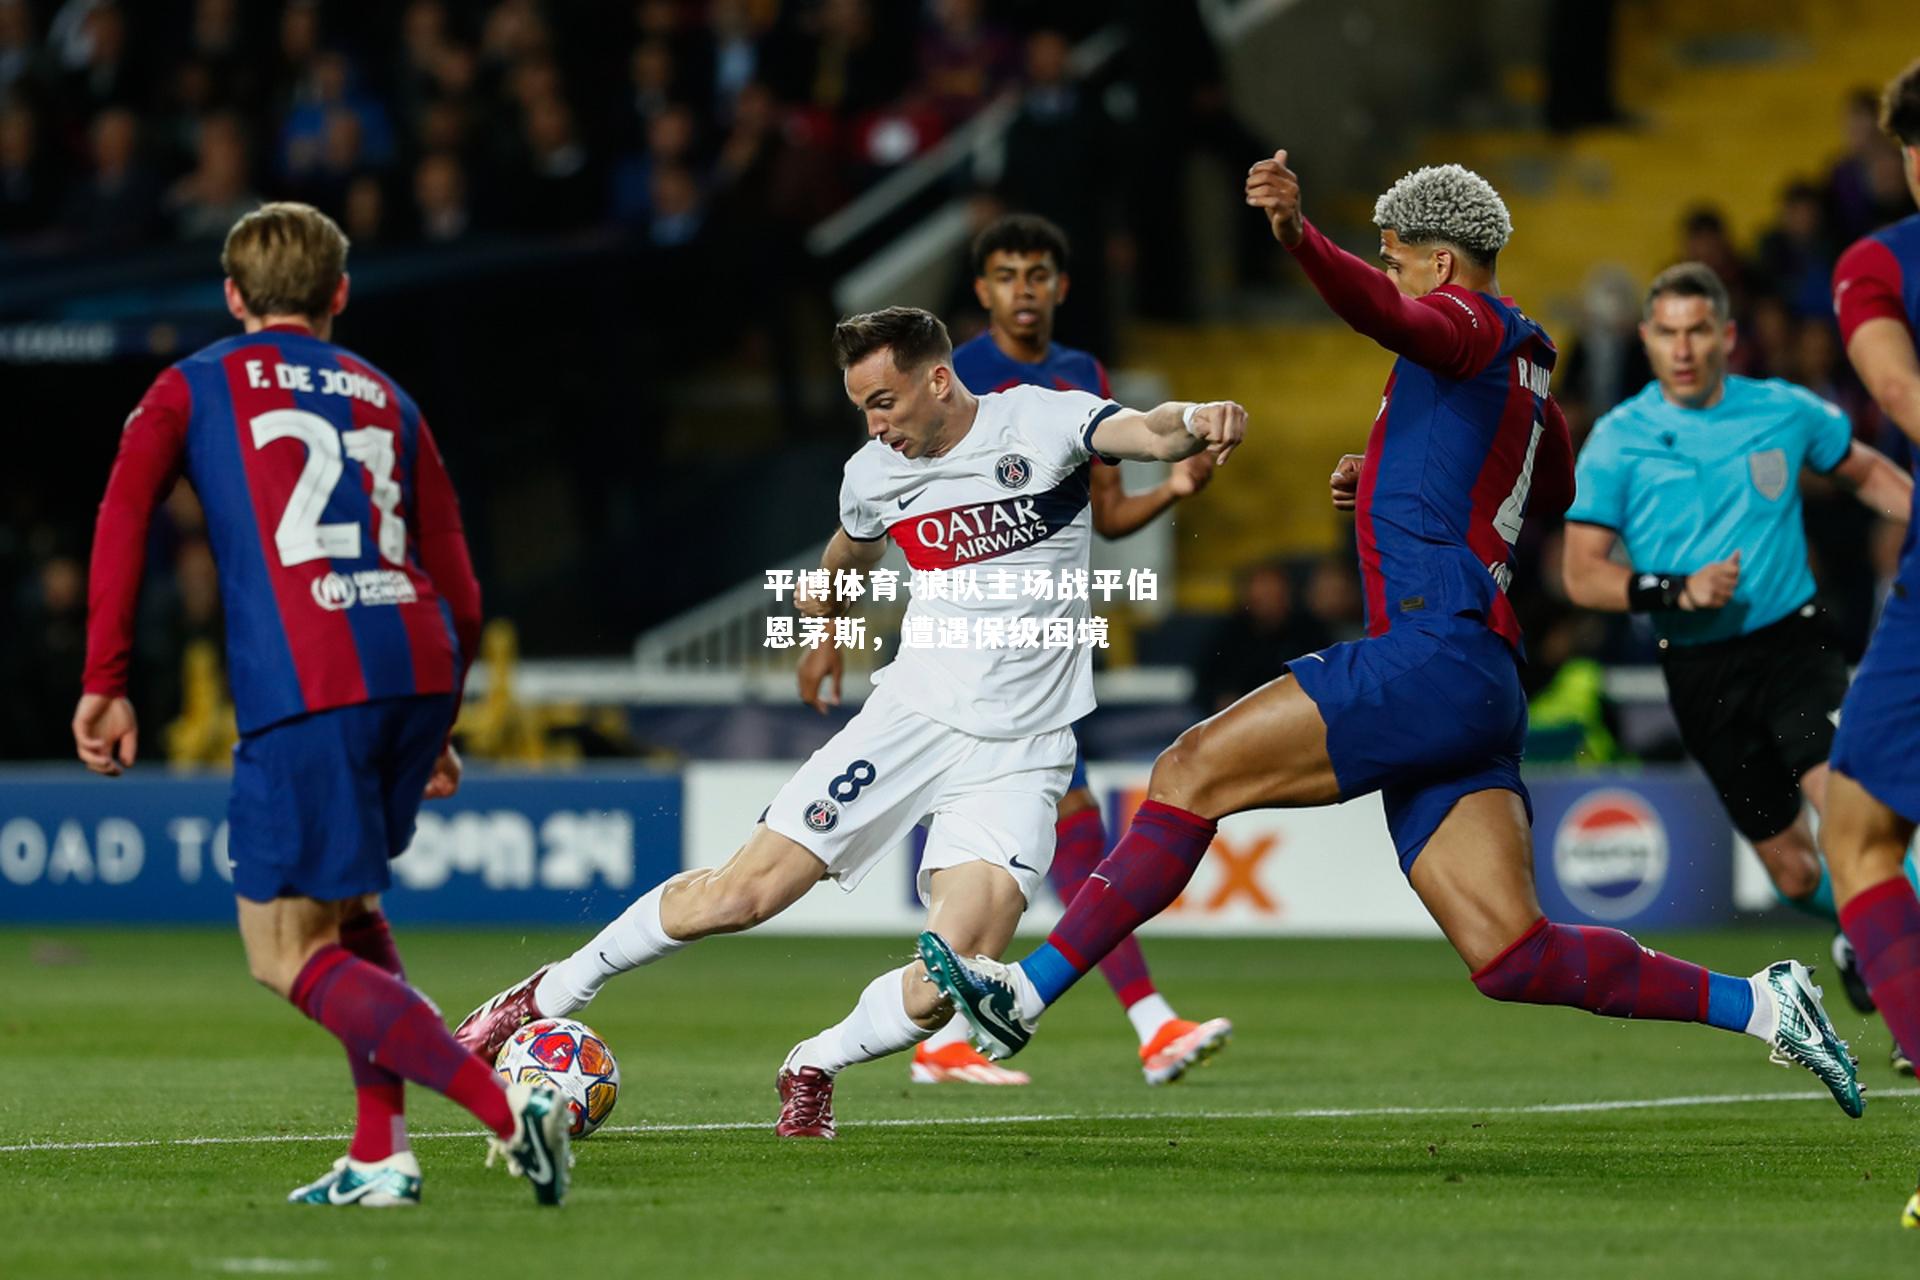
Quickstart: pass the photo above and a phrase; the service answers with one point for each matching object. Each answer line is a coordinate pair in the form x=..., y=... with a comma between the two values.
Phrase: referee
x=1697, y=477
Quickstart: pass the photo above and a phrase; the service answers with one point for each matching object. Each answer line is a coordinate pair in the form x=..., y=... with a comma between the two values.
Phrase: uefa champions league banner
x=567, y=849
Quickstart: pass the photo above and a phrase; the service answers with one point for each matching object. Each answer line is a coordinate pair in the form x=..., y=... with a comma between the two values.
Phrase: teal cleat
x=986, y=992
x=393, y=1183
x=1803, y=1036
x=538, y=1149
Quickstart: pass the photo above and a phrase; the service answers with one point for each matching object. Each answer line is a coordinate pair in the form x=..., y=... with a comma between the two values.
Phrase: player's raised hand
x=1345, y=481
x=1275, y=189
x=817, y=666
x=1712, y=586
x=106, y=734
x=1222, y=424
x=445, y=778
x=1191, y=475
x=809, y=605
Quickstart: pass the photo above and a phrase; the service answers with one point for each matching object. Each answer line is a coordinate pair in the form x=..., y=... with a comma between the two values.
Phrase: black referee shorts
x=1757, y=712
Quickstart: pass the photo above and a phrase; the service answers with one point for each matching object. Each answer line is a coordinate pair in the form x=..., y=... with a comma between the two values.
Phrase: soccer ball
x=570, y=1057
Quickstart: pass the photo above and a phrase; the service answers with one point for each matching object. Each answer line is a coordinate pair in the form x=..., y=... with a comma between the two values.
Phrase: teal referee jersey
x=1686, y=487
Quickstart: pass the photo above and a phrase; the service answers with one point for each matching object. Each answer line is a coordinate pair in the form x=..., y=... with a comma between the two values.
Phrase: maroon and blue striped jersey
x=1466, y=444
x=984, y=367
x=344, y=573
x=1879, y=278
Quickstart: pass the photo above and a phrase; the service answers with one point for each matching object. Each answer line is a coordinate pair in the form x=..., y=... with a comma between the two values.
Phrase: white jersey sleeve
x=859, y=515
x=1062, y=421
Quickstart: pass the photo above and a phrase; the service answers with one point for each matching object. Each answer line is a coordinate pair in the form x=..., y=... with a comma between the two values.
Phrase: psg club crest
x=822, y=815
x=1769, y=469
x=1013, y=471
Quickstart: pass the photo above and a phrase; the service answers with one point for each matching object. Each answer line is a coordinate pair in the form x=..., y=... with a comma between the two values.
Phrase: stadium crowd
x=726, y=128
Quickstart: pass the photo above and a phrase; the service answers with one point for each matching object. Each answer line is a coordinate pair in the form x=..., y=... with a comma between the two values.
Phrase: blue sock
x=1049, y=971
x=1729, y=1002
x=1820, y=902
x=1912, y=865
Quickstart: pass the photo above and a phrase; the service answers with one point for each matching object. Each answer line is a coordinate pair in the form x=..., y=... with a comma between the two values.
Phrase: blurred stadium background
x=603, y=245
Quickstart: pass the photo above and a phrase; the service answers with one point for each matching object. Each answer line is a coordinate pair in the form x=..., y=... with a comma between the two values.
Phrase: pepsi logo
x=1610, y=854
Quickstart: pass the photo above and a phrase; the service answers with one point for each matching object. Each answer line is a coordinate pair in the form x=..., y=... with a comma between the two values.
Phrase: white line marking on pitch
x=926, y=1122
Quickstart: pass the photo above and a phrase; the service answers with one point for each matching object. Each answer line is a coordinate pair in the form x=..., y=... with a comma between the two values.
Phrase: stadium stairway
x=1727, y=103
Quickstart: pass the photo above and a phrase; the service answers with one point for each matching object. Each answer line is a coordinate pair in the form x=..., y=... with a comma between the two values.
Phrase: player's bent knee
x=1179, y=774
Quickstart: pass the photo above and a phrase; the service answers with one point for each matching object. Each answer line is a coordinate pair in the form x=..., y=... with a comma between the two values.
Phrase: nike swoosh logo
x=910, y=497
x=992, y=1015
x=543, y=1174
x=353, y=1194
x=1015, y=860
x=1317, y=658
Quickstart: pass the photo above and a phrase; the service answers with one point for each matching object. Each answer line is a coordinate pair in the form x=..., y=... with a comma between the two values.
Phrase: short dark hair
x=1689, y=280
x=1019, y=233
x=914, y=336
x=1900, y=106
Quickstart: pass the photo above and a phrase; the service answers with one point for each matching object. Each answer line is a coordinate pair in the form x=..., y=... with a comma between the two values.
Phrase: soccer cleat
x=1910, y=1216
x=483, y=1031
x=538, y=1149
x=983, y=991
x=392, y=1183
x=1902, y=1065
x=960, y=1064
x=1803, y=1036
x=806, y=1103
x=1179, y=1045
x=1851, y=978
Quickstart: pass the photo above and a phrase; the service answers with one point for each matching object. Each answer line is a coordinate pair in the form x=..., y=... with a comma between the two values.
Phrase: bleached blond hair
x=1446, y=202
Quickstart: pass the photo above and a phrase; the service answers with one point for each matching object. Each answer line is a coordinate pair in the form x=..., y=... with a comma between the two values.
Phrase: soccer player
x=1020, y=277
x=973, y=733
x=351, y=615
x=1873, y=792
x=1696, y=476
x=1426, y=708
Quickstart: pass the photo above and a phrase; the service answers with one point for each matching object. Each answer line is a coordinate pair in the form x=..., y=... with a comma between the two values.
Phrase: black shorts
x=1757, y=712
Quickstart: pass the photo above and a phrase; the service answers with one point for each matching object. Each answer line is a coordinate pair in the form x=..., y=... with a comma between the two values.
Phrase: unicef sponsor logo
x=1013, y=471
x=334, y=591
x=1610, y=854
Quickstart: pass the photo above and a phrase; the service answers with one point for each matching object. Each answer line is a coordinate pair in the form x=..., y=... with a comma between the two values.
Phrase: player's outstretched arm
x=1117, y=513
x=1443, y=332
x=1882, y=353
x=1172, y=431
x=1871, y=475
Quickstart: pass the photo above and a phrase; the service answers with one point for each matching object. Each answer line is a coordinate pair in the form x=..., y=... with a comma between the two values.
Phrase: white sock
x=878, y=1026
x=1148, y=1014
x=1765, y=1018
x=636, y=937
x=955, y=1032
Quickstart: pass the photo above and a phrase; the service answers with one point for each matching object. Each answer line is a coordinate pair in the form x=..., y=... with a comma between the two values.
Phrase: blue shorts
x=321, y=803
x=1879, y=734
x=1079, y=763
x=1424, y=715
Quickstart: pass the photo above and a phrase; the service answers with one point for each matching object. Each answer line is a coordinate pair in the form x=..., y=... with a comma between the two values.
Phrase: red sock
x=1137, y=881
x=1883, y=923
x=385, y=1022
x=1079, y=842
x=380, y=1126
x=1600, y=970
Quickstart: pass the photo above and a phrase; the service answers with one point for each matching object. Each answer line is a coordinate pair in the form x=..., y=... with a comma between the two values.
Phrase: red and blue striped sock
x=1141, y=877
x=1883, y=924
x=380, y=1123
x=1079, y=842
x=1606, y=972
x=387, y=1023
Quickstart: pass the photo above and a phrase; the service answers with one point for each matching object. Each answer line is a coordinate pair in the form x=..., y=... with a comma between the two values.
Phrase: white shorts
x=989, y=799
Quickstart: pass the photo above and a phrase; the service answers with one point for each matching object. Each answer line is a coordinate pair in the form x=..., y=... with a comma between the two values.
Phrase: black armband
x=1653, y=592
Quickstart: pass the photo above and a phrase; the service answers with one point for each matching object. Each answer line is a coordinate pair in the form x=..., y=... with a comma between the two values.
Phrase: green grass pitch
x=159, y=1037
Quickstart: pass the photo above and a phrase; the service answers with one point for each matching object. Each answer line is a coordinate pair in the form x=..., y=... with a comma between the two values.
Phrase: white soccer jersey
x=1008, y=503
